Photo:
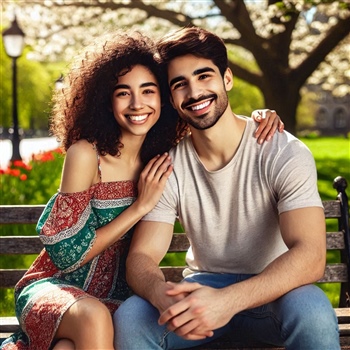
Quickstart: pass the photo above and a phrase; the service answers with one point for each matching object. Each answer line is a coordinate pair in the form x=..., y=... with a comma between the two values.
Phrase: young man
x=253, y=217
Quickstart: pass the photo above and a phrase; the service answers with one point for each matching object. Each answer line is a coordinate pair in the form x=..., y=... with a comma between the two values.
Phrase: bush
x=32, y=183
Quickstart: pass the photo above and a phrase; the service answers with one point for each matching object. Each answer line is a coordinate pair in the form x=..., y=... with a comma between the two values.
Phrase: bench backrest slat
x=20, y=214
x=29, y=214
x=179, y=243
x=333, y=273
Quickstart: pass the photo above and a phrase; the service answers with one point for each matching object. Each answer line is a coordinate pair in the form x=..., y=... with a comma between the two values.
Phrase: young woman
x=115, y=127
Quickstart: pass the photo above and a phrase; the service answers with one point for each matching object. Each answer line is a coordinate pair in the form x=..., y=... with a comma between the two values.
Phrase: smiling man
x=253, y=217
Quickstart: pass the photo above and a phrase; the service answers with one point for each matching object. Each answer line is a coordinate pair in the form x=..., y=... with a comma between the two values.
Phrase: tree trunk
x=283, y=96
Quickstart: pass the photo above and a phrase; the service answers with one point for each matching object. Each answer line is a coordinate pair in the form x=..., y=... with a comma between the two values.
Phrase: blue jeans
x=302, y=319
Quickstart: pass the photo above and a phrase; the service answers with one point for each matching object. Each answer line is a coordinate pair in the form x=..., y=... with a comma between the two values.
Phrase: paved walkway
x=27, y=147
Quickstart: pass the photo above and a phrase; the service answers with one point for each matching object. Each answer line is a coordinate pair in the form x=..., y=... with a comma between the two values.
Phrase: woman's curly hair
x=83, y=108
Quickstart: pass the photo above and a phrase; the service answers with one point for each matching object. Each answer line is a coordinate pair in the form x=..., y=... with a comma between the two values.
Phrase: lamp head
x=13, y=39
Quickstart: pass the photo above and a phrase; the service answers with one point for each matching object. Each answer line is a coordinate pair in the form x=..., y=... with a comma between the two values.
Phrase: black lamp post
x=13, y=39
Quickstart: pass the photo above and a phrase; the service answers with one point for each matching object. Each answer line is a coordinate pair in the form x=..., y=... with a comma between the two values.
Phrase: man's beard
x=207, y=120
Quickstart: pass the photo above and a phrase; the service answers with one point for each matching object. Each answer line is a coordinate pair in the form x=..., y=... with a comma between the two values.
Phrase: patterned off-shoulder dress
x=56, y=279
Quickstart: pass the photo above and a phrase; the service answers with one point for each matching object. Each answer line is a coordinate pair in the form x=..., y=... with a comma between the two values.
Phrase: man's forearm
x=146, y=281
x=304, y=233
x=289, y=271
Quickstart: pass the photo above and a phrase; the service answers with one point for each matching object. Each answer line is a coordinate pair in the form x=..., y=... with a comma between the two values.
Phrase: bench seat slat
x=9, y=324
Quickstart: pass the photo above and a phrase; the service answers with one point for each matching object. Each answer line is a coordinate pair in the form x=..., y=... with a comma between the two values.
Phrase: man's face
x=198, y=91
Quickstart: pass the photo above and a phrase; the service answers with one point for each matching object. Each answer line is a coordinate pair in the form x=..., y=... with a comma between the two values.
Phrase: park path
x=27, y=147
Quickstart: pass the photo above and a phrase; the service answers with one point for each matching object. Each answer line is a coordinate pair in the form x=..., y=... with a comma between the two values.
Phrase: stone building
x=332, y=114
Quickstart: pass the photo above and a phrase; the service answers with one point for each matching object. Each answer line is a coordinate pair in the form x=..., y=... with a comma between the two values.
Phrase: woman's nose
x=136, y=102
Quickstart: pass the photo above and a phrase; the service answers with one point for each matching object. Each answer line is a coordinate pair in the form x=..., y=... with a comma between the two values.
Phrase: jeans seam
x=267, y=314
x=162, y=341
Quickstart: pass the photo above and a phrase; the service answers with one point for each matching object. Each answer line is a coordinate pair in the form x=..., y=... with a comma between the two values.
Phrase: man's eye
x=148, y=91
x=178, y=85
x=203, y=76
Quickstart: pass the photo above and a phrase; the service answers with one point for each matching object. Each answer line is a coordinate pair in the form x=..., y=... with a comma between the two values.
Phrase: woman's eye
x=121, y=93
x=148, y=91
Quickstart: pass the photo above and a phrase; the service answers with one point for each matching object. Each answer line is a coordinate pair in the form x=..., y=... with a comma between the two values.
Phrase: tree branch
x=337, y=33
x=244, y=74
x=172, y=16
x=236, y=12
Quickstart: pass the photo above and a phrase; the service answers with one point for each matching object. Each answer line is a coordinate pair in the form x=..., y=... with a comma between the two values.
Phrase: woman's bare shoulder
x=80, y=167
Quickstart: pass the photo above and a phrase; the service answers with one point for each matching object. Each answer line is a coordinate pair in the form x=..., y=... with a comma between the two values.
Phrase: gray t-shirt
x=231, y=216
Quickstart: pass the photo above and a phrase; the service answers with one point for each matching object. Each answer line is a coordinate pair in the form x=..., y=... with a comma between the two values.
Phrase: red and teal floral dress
x=57, y=278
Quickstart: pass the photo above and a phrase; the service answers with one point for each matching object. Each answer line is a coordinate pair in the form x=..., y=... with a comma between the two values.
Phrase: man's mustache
x=193, y=101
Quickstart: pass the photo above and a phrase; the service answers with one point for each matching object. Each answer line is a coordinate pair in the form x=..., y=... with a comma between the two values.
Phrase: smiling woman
x=110, y=122
x=136, y=101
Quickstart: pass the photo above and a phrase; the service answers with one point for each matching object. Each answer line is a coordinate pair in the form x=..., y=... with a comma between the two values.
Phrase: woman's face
x=136, y=101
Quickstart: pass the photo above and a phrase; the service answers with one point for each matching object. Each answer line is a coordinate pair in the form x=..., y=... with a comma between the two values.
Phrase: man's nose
x=194, y=91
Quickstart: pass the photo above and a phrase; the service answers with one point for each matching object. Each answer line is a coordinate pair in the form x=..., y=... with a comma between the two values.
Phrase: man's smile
x=198, y=105
x=201, y=105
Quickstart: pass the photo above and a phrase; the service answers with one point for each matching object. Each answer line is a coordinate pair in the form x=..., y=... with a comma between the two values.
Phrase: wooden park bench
x=334, y=273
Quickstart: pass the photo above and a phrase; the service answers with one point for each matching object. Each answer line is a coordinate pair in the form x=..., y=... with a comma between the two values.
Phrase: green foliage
x=34, y=183
x=35, y=83
x=244, y=97
x=306, y=111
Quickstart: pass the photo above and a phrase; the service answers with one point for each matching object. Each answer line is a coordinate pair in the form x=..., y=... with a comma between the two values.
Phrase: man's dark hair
x=194, y=41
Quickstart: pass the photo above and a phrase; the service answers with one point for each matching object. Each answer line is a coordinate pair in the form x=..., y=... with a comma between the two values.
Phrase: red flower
x=43, y=157
x=23, y=177
x=19, y=163
x=58, y=150
x=14, y=172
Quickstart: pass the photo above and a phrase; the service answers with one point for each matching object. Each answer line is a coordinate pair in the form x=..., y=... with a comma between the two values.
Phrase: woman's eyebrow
x=121, y=86
x=151, y=83
x=126, y=86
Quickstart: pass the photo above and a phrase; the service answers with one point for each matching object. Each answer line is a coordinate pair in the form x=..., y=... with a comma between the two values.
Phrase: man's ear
x=228, y=79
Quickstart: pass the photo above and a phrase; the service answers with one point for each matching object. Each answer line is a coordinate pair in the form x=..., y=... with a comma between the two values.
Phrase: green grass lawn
x=332, y=156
